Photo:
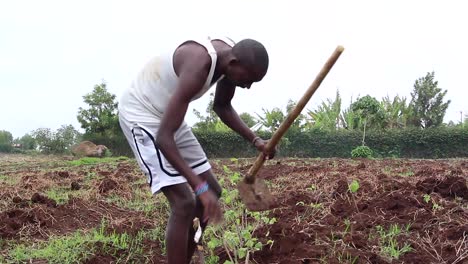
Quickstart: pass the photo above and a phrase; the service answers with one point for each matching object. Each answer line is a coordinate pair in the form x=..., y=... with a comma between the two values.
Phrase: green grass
x=62, y=195
x=92, y=160
x=143, y=201
x=389, y=246
x=80, y=245
x=407, y=174
x=9, y=179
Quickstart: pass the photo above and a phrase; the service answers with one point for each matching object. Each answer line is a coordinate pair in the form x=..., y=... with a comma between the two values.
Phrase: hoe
x=254, y=191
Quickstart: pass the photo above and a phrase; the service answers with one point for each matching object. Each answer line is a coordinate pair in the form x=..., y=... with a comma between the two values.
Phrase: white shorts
x=158, y=170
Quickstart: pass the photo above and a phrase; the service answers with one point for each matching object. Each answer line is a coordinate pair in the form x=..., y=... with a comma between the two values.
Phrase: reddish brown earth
x=391, y=192
x=318, y=219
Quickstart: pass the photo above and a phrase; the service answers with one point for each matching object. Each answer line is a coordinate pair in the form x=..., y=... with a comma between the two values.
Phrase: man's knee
x=185, y=206
x=181, y=199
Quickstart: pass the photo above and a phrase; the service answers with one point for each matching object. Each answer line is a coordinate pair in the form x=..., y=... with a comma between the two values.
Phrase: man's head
x=249, y=63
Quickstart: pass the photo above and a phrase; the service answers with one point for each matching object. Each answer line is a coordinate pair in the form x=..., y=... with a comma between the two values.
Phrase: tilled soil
x=319, y=219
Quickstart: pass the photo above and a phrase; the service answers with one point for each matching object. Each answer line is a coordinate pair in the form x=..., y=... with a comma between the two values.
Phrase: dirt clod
x=107, y=185
x=63, y=174
x=452, y=186
x=42, y=199
x=75, y=186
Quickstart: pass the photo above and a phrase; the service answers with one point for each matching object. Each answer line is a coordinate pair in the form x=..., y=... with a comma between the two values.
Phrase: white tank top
x=148, y=95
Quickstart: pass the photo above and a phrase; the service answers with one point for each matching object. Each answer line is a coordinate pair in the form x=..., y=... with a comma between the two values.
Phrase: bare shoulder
x=191, y=57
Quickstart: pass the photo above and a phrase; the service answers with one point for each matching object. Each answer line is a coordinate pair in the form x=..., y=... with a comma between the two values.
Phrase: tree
x=6, y=139
x=44, y=139
x=66, y=136
x=57, y=142
x=427, y=104
x=271, y=120
x=248, y=119
x=210, y=122
x=327, y=115
x=27, y=142
x=369, y=111
x=101, y=115
x=396, y=112
x=299, y=123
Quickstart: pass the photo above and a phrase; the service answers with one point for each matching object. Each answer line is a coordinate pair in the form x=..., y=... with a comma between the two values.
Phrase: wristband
x=201, y=188
x=255, y=140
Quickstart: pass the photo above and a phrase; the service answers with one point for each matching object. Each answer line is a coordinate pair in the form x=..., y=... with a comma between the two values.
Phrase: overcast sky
x=54, y=52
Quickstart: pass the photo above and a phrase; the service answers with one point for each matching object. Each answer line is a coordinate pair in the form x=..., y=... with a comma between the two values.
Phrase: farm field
x=62, y=210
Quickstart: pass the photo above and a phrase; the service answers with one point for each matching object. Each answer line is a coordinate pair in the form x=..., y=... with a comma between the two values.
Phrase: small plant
x=353, y=186
x=347, y=223
x=435, y=206
x=347, y=258
x=427, y=198
x=361, y=152
x=235, y=234
x=389, y=244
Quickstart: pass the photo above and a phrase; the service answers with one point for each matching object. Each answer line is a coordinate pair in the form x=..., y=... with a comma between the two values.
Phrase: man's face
x=241, y=75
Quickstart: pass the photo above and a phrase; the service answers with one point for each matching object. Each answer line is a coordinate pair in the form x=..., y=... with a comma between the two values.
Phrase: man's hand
x=261, y=144
x=211, y=208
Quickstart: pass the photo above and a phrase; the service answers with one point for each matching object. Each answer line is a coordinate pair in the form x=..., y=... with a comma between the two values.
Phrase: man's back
x=149, y=93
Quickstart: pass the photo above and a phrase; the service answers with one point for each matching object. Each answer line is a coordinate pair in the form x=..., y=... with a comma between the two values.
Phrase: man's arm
x=190, y=82
x=222, y=106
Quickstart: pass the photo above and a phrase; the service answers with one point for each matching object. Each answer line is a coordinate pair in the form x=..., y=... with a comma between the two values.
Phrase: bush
x=442, y=142
x=117, y=144
x=361, y=152
x=405, y=143
x=6, y=148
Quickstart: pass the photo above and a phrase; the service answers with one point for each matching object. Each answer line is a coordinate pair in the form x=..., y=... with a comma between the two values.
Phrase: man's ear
x=233, y=61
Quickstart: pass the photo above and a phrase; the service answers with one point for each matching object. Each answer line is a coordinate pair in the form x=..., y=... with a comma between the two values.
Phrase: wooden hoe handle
x=250, y=177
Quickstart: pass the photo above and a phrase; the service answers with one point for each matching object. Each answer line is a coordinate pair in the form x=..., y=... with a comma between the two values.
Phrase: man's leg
x=182, y=202
x=216, y=188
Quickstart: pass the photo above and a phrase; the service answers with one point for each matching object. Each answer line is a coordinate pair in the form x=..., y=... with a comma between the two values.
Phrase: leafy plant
x=327, y=115
x=389, y=244
x=396, y=112
x=353, y=186
x=361, y=152
x=235, y=234
x=427, y=198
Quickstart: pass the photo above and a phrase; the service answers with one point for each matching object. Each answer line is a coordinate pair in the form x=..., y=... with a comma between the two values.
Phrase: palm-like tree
x=327, y=115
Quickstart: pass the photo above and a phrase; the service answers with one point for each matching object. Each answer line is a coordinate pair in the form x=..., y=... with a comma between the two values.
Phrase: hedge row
x=6, y=148
x=404, y=143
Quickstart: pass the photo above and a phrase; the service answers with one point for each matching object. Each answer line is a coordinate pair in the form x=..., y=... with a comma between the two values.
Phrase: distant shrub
x=6, y=148
x=361, y=152
x=108, y=153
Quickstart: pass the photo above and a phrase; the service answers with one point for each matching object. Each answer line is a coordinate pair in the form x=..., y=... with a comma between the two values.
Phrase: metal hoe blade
x=256, y=196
